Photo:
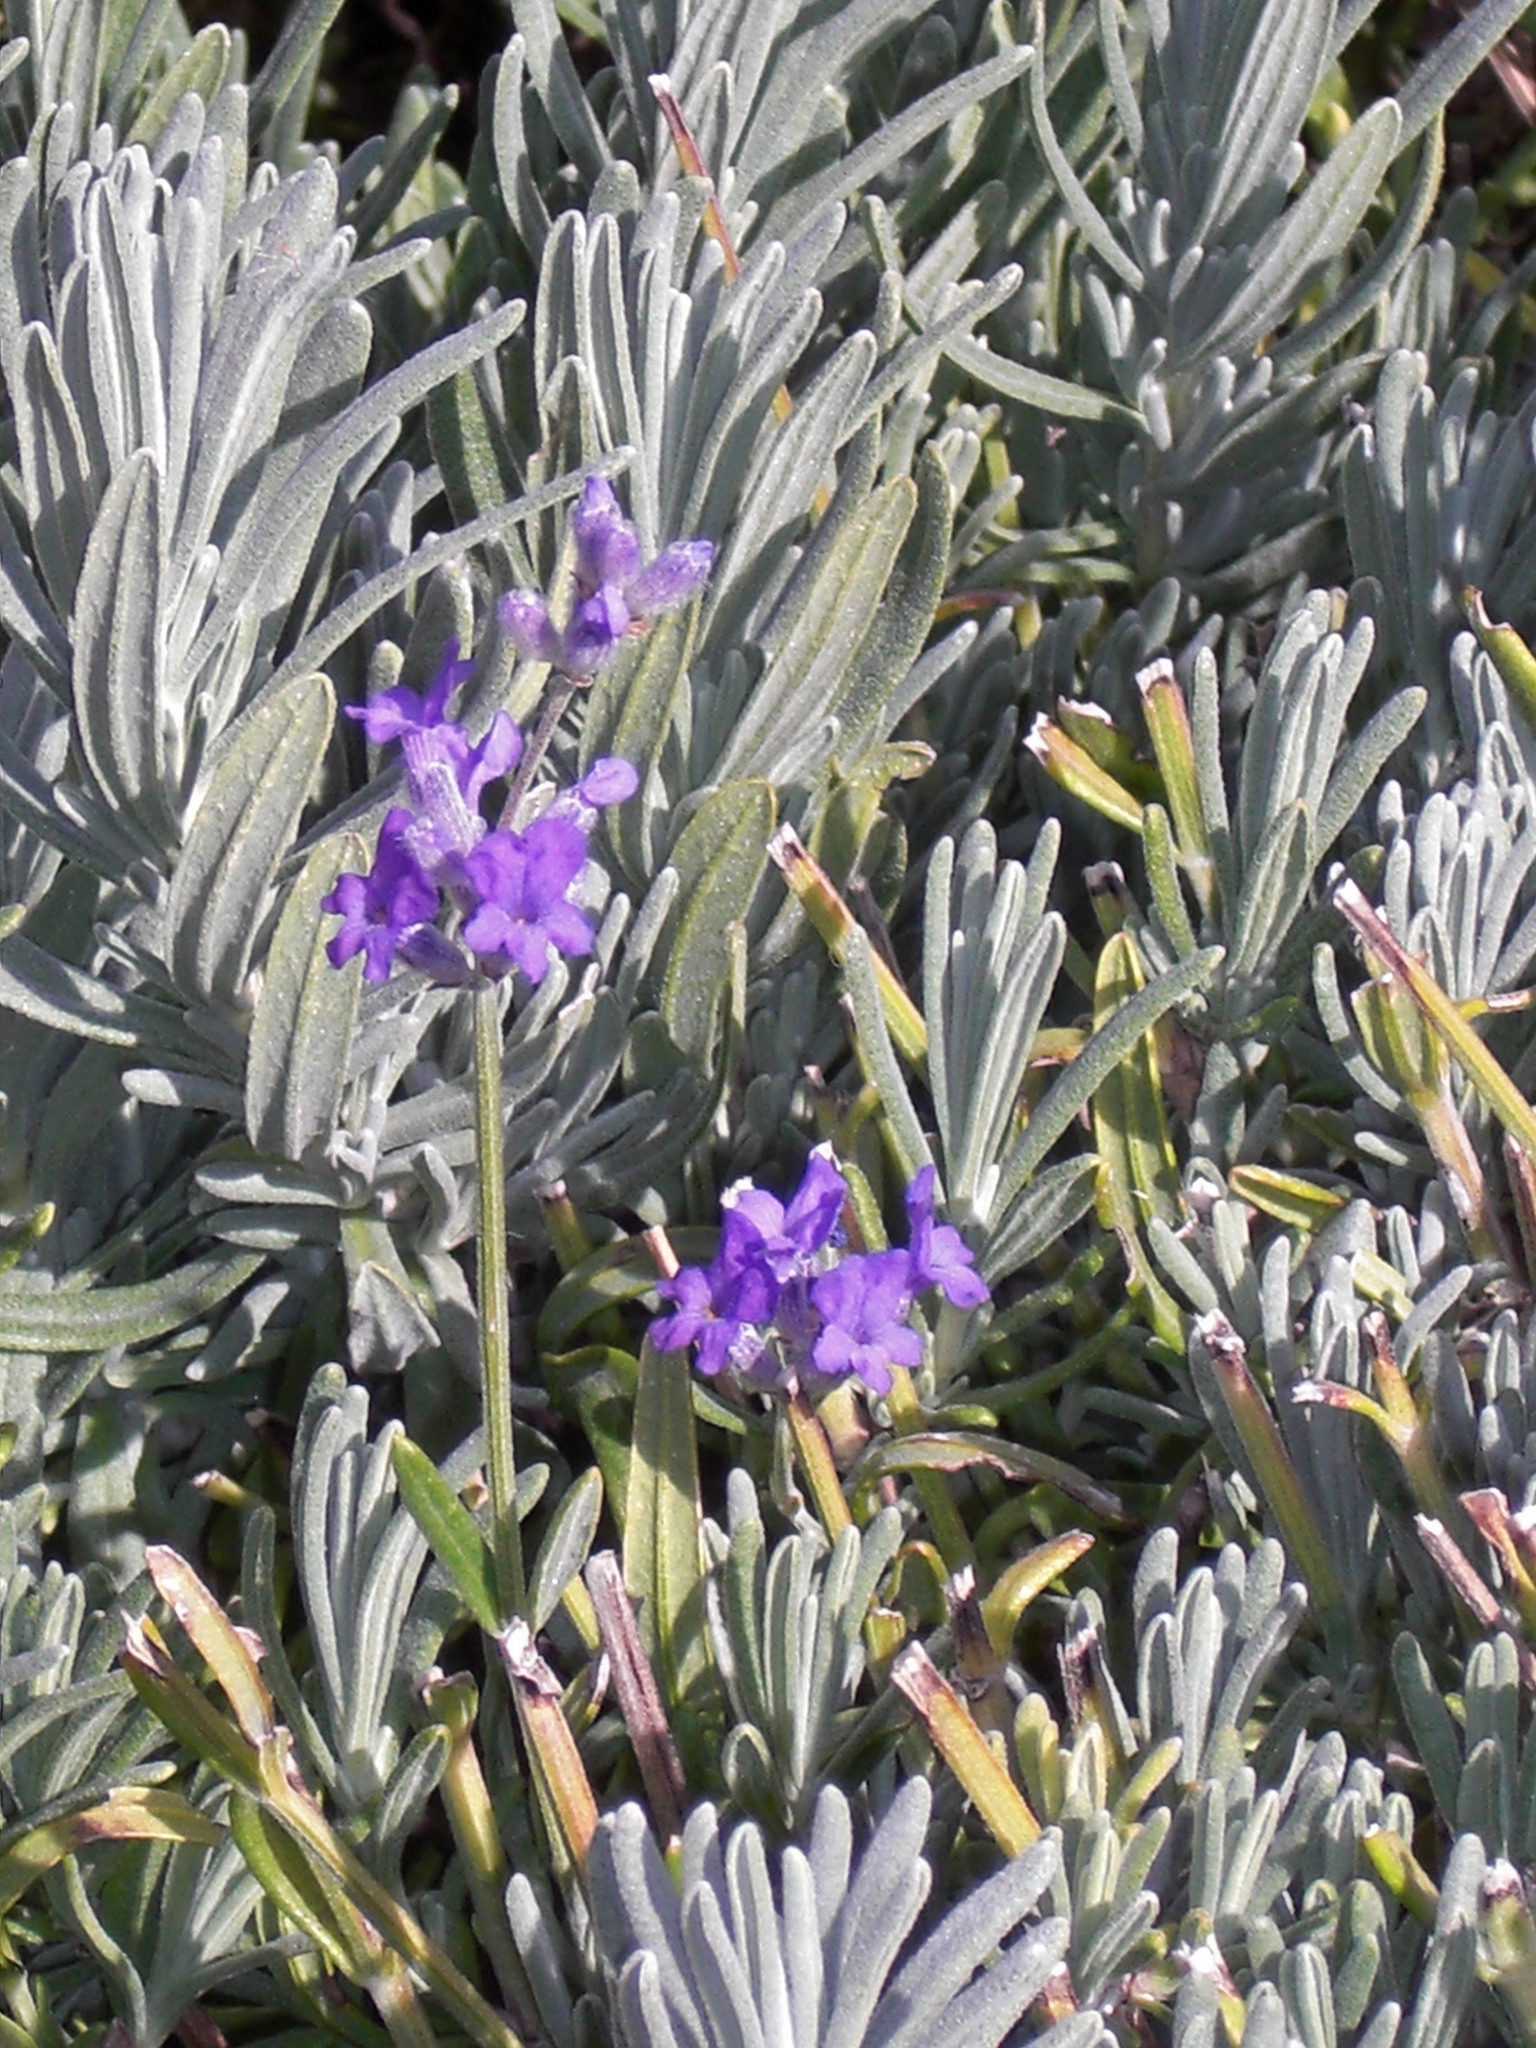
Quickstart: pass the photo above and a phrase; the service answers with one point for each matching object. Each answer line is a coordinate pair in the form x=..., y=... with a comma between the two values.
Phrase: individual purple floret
x=615, y=594
x=512, y=889
x=394, y=713
x=864, y=1304
x=720, y=1308
x=781, y=1304
x=940, y=1256
x=788, y=1238
x=519, y=881
x=378, y=910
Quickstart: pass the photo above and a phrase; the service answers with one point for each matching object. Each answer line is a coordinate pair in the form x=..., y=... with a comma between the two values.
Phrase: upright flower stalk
x=495, y=1330
x=465, y=904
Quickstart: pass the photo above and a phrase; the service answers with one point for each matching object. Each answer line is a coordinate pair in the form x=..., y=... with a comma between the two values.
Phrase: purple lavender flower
x=940, y=1256
x=381, y=909
x=615, y=595
x=511, y=888
x=864, y=1304
x=720, y=1308
x=607, y=781
x=520, y=881
x=778, y=1305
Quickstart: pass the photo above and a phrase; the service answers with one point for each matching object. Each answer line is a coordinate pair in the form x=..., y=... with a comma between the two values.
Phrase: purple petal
x=834, y=1352
x=497, y=754
x=557, y=852
x=525, y=617
x=902, y=1346
x=501, y=942
x=875, y=1372
x=494, y=870
x=886, y=1280
x=607, y=547
x=677, y=573
x=690, y=1290
x=378, y=908
x=608, y=781
x=812, y=1215
x=567, y=929
x=949, y=1266
x=393, y=713
x=716, y=1343
x=597, y=626
x=919, y=1200
x=763, y=1211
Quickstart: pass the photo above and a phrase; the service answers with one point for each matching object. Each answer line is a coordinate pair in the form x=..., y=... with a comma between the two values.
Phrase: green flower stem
x=495, y=1329
x=944, y=1518
x=815, y=1456
x=454, y=1703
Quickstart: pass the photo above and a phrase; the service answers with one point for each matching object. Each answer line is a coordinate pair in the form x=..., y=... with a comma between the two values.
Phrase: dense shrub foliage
x=769, y=1190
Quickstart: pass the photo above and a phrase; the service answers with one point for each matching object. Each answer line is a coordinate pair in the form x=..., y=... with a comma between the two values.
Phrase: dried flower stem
x=551, y=1746
x=638, y=1694
x=1261, y=1439
x=966, y=1750
x=691, y=157
x=495, y=1330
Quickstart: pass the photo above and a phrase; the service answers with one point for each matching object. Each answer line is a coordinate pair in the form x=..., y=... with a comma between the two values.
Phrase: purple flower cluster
x=615, y=593
x=778, y=1301
x=510, y=890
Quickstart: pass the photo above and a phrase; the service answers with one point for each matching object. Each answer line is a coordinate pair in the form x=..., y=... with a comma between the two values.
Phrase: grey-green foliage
x=1438, y=498
x=1272, y=817
x=774, y=97
x=164, y=1924
x=359, y=1557
x=1218, y=451
x=1317, y=2006
x=808, y=1961
x=1172, y=1816
x=787, y=1625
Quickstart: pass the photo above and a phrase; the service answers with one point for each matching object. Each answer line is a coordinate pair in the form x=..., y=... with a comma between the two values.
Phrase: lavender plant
x=765, y=1084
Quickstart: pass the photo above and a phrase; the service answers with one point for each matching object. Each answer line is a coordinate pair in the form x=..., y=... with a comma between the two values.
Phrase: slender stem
x=453, y=1702
x=815, y=1455
x=495, y=1332
x=944, y=1518
x=556, y=705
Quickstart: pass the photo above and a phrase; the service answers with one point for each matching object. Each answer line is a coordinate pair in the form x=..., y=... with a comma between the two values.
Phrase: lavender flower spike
x=615, y=594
